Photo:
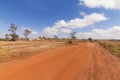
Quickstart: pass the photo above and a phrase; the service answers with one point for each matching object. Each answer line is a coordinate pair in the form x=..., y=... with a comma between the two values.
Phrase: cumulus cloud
x=107, y=4
x=76, y=23
x=111, y=33
x=50, y=31
x=66, y=31
x=87, y=20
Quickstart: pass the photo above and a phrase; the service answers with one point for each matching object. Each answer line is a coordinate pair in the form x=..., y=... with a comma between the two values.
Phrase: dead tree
x=72, y=37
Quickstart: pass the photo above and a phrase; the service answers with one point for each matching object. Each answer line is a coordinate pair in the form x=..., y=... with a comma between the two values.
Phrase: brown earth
x=86, y=61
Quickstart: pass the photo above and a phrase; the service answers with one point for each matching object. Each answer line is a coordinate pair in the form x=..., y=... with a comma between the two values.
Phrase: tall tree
x=13, y=29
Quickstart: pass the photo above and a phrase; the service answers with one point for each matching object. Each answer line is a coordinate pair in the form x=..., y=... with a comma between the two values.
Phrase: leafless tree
x=72, y=35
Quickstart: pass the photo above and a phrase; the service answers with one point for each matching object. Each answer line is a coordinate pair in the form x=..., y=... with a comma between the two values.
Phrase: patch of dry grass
x=112, y=46
x=21, y=49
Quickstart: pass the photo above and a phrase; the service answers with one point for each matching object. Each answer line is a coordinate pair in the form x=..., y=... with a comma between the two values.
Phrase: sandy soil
x=87, y=61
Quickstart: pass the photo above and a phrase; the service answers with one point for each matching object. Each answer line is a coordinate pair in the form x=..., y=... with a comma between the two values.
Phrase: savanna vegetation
x=111, y=45
x=10, y=50
x=21, y=49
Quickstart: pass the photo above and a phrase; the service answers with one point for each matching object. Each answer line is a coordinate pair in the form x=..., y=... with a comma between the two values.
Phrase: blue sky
x=42, y=17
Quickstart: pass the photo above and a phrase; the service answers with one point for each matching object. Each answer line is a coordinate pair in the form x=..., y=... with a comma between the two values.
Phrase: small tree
x=13, y=29
x=26, y=32
x=72, y=35
x=55, y=37
x=90, y=39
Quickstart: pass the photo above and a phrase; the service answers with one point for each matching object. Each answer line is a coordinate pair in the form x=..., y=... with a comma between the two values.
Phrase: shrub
x=70, y=41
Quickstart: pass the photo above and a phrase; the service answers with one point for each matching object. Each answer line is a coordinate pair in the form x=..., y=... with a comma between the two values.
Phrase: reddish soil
x=87, y=61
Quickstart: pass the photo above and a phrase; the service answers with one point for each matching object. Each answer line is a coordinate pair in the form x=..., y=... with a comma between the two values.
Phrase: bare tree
x=13, y=29
x=72, y=35
x=26, y=32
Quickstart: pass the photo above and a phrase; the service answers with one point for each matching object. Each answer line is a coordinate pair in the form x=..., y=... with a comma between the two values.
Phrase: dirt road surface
x=86, y=61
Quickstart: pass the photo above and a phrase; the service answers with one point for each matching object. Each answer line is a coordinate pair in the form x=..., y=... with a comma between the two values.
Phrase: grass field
x=21, y=49
x=112, y=46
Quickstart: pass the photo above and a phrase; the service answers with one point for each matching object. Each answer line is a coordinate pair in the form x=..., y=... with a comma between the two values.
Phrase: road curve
x=87, y=61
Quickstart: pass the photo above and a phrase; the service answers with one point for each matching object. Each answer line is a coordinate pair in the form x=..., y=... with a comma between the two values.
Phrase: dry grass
x=112, y=46
x=21, y=49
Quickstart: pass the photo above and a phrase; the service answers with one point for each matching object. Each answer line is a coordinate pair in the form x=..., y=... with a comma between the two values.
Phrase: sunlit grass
x=112, y=46
x=21, y=49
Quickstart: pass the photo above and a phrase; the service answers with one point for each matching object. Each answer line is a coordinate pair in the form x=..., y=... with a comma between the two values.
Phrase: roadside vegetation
x=112, y=45
x=12, y=46
x=21, y=49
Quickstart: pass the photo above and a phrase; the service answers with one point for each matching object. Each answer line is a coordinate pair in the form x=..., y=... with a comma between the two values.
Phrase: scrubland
x=112, y=45
x=22, y=49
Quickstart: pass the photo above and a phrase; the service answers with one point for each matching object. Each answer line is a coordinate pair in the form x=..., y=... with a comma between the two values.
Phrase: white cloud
x=82, y=13
x=76, y=23
x=66, y=31
x=107, y=4
x=87, y=20
x=34, y=33
x=50, y=31
x=59, y=24
x=111, y=33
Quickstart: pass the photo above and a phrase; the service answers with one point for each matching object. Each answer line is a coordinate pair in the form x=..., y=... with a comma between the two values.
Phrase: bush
x=90, y=39
x=70, y=42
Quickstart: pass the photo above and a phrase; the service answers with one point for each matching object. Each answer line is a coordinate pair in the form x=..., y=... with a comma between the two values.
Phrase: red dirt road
x=87, y=61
